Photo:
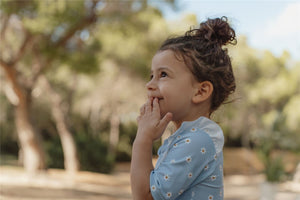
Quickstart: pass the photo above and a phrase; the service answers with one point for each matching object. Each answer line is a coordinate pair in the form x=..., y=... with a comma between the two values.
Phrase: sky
x=272, y=25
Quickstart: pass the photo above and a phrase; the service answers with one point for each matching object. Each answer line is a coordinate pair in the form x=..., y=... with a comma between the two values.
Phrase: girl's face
x=172, y=83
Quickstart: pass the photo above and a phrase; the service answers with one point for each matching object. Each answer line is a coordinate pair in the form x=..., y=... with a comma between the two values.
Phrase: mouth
x=159, y=98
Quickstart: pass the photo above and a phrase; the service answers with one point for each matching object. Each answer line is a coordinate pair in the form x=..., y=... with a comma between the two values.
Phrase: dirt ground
x=242, y=181
x=15, y=184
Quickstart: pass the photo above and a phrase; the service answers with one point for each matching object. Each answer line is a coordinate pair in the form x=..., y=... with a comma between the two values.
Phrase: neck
x=194, y=117
x=195, y=111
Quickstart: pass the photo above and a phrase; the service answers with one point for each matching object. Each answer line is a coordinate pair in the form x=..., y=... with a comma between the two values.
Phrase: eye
x=163, y=74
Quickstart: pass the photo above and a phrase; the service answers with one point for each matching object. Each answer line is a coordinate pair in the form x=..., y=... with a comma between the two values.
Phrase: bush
x=92, y=153
x=8, y=145
x=54, y=153
x=274, y=169
x=8, y=134
x=273, y=165
x=127, y=136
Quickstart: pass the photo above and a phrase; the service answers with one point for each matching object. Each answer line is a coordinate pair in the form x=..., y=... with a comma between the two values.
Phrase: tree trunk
x=69, y=148
x=71, y=162
x=32, y=152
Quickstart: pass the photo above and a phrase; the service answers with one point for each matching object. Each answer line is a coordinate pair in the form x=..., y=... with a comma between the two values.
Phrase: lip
x=159, y=98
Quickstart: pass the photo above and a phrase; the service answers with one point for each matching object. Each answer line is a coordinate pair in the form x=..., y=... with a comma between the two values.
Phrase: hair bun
x=216, y=30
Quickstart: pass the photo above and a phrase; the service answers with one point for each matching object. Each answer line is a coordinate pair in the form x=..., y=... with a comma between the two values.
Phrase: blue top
x=190, y=163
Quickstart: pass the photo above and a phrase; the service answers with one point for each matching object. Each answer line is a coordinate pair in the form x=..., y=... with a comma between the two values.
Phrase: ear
x=203, y=91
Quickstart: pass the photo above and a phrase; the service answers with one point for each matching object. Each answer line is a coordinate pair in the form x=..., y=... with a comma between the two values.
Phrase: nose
x=151, y=85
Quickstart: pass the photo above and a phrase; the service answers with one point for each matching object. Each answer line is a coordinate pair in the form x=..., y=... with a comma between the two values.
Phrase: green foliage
x=132, y=44
x=273, y=164
x=55, y=18
x=93, y=154
x=266, y=101
x=127, y=136
x=49, y=23
x=8, y=135
x=290, y=111
x=274, y=168
x=54, y=152
x=8, y=145
x=18, y=7
x=91, y=148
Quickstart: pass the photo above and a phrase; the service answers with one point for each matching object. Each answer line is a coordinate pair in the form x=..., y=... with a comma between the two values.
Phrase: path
x=57, y=185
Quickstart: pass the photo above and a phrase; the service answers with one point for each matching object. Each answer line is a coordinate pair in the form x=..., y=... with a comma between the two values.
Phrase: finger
x=142, y=109
x=148, y=106
x=138, y=118
x=165, y=120
x=156, y=106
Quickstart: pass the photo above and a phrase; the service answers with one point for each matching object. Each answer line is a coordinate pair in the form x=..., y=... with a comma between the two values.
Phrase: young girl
x=191, y=76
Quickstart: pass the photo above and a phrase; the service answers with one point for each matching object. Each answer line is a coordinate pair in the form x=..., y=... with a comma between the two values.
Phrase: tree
x=35, y=36
x=267, y=87
x=119, y=90
x=42, y=36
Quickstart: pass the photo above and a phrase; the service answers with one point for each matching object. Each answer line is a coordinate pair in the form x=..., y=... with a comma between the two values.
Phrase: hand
x=150, y=124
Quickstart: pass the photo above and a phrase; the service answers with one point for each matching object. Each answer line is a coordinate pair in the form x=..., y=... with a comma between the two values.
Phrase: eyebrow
x=161, y=69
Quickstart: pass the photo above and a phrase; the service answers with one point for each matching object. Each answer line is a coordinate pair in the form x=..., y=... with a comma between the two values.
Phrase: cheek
x=167, y=91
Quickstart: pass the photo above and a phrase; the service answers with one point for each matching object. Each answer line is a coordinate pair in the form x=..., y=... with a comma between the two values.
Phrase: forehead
x=167, y=59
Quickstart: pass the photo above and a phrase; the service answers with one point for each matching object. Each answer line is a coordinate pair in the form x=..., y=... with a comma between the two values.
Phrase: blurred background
x=72, y=80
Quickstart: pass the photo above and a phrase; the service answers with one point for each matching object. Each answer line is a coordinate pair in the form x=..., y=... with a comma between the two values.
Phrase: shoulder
x=192, y=143
x=204, y=130
x=193, y=136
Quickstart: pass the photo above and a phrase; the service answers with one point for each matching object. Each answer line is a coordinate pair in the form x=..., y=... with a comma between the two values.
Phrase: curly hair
x=203, y=53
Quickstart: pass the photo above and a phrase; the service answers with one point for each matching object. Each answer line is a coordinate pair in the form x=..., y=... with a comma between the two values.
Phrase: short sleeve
x=186, y=160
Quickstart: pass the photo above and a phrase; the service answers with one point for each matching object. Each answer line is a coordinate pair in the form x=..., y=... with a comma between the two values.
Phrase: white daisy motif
x=153, y=188
x=206, y=167
x=188, y=159
x=213, y=177
x=175, y=145
x=203, y=150
x=178, y=137
x=193, y=129
x=166, y=177
x=190, y=175
x=180, y=192
x=188, y=140
x=215, y=156
x=210, y=197
x=169, y=195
